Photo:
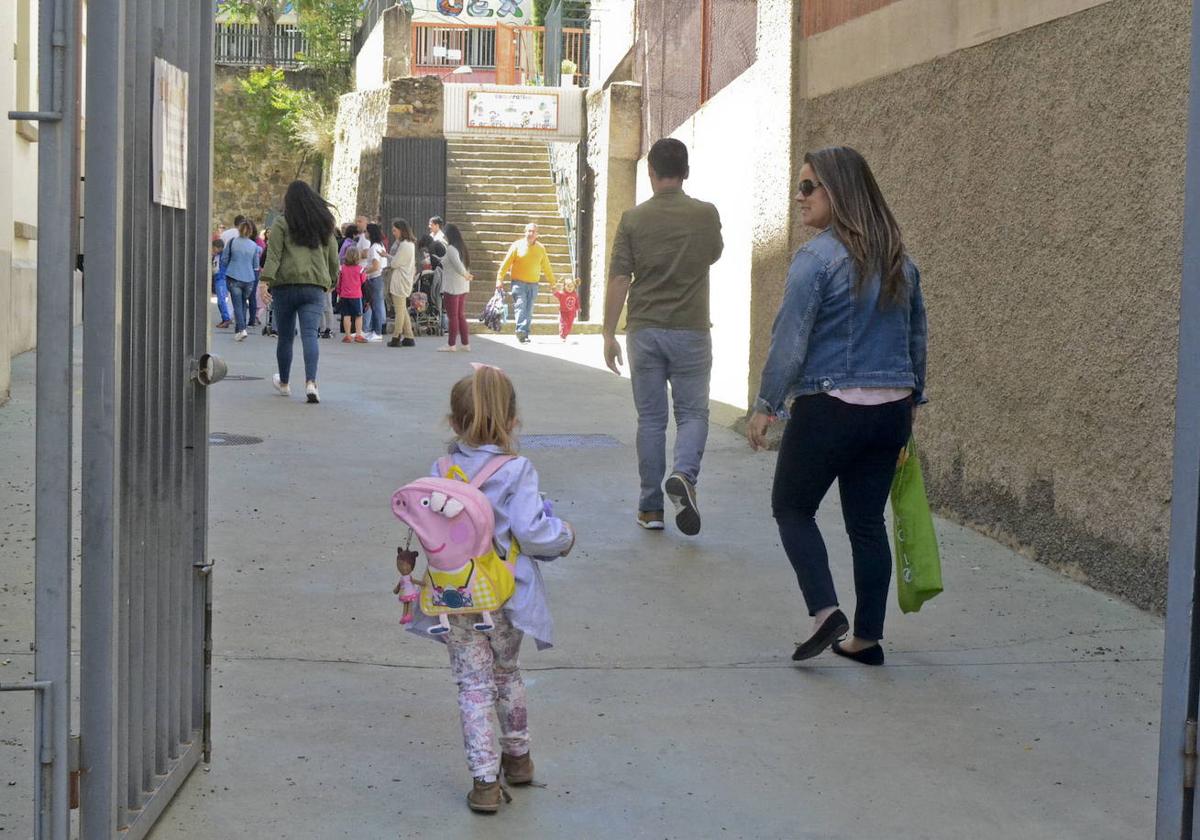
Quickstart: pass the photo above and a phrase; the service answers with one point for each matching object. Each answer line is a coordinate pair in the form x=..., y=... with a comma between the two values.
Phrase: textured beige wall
x=353, y=184
x=614, y=144
x=1038, y=178
x=905, y=33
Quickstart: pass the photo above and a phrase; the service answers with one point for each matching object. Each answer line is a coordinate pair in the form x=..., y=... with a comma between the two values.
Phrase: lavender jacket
x=513, y=492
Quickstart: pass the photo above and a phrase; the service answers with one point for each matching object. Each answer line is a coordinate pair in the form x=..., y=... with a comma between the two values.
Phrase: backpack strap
x=446, y=463
x=490, y=469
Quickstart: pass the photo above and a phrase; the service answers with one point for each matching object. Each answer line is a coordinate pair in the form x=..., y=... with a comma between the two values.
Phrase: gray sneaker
x=682, y=494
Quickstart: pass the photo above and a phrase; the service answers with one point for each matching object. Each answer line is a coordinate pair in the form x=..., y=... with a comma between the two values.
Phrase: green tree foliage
x=304, y=117
x=328, y=25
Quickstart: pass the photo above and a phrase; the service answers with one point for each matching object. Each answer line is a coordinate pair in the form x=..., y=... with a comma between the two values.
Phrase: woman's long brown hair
x=862, y=220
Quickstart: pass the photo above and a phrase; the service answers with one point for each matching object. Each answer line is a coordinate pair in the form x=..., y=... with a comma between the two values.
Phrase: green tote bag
x=918, y=566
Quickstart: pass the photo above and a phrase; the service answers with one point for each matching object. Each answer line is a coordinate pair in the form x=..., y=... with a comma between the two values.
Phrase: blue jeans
x=240, y=292
x=308, y=303
x=221, y=290
x=252, y=319
x=377, y=323
x=858, y=445
x=524, y=294
x=683, y=359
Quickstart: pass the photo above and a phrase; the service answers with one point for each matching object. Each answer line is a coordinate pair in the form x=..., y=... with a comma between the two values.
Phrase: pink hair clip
x=481, y=366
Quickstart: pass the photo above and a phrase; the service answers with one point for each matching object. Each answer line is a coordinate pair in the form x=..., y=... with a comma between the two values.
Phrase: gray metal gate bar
x=145, y=581
x=103, y=389
x=58, y=210
x=1181, y=669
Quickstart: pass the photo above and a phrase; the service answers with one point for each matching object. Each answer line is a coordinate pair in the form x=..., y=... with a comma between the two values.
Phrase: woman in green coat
x=302, y=265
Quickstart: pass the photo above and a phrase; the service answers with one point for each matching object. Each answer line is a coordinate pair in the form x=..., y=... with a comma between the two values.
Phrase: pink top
x=350, y=281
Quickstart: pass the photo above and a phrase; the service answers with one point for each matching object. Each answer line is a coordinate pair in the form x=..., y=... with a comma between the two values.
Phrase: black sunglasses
x=808, y=187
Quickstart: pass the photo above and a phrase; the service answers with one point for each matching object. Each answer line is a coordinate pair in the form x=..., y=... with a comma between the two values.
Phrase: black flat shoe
x=867, y=656
x=832, y=629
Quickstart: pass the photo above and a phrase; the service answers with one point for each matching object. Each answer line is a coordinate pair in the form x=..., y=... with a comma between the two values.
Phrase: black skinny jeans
x=858, y=445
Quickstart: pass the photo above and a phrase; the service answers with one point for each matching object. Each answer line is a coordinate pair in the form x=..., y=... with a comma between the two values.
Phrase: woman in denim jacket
x=848, y=353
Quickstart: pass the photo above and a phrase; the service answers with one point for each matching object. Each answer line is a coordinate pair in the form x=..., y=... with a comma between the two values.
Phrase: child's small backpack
x=455, y=524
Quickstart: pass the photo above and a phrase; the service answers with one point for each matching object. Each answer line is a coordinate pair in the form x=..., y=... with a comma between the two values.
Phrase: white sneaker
x=447, y=348
x=283, y=388
x=240, y=336
x=373, y=337
x=464, y=348
x=310, y=391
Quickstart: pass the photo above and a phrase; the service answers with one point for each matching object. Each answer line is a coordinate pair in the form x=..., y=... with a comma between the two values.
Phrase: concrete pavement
x=1017, y=704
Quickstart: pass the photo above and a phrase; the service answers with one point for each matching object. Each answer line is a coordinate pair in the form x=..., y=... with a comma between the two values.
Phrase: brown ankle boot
x=485, y=797
x=518, y=769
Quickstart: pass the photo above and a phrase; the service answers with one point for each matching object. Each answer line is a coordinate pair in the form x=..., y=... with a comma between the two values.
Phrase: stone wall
x=1039, y=181
x=405, y=108
x=251, y=170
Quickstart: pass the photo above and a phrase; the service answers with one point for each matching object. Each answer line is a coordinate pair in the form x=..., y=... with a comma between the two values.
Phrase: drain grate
x=241, y=377
x=229, y=439
x=569, y=442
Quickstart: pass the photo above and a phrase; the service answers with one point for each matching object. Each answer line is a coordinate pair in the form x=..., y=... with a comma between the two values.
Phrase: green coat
x=289, y=264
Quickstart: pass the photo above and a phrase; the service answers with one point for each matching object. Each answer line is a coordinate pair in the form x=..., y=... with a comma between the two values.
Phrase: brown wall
x=823, y=15
x=1038, y=178
x=251, y=170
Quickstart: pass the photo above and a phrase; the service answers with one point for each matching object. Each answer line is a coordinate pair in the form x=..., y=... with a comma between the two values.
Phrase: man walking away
x=526, y=260
x=661, y=258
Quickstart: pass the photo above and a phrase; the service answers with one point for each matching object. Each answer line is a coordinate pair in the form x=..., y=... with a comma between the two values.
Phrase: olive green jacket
x=289, y=264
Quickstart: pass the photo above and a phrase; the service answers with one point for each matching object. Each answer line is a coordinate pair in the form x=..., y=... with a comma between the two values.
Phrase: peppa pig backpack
x=454, y=522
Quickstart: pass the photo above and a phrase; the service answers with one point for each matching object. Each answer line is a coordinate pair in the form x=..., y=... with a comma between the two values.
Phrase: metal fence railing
x=239, y=44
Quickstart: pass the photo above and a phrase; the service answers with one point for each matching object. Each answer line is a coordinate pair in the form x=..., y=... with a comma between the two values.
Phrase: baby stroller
x=425, y=303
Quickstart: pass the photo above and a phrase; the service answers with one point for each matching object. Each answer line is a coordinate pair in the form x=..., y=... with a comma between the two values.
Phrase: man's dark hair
x=669, y=158
x=437, y=220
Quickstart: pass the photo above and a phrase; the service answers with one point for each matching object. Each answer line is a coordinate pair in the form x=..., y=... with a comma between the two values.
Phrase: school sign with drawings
x=470, y=11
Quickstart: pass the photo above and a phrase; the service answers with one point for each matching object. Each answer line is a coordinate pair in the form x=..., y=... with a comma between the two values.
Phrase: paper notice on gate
x=170, y=134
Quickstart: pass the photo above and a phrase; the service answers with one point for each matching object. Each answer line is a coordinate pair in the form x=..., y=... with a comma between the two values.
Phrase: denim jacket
x=825, y=338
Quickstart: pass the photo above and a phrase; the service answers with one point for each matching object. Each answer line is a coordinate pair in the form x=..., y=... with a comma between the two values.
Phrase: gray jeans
x=683, y=359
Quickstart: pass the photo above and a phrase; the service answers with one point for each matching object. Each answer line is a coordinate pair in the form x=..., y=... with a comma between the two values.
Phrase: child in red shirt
x=350, y=296
x=568, y=307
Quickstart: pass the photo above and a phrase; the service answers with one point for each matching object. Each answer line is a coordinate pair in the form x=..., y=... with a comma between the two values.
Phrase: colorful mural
x=481, y=9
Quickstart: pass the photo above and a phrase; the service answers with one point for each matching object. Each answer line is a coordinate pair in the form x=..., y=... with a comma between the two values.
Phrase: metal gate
x=145, y=598
x=414, y=181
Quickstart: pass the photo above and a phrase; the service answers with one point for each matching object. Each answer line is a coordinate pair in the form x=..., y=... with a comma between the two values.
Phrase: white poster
x=529, y=111
x=170, y=134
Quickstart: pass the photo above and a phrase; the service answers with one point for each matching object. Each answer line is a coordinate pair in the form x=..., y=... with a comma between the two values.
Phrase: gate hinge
x=1189, y=754
x=73, y=768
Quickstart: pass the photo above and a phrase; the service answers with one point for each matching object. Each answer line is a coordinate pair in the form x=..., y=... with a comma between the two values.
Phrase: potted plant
x=569, y=70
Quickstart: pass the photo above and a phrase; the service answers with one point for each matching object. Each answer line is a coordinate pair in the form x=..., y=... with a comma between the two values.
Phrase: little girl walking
x=483, y=415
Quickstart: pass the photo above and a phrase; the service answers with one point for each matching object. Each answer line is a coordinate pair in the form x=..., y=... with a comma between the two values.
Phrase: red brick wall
x=823, y=15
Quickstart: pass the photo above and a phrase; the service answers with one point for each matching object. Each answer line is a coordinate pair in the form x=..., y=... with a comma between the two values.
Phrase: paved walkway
x=1019, y=704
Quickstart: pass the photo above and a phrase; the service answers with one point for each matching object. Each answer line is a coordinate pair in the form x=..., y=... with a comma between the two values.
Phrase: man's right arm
x=718, y=242
x=620, y=276
x=506, y=265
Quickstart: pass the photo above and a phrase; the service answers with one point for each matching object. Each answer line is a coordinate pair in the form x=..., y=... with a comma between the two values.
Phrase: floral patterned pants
x=485, y=667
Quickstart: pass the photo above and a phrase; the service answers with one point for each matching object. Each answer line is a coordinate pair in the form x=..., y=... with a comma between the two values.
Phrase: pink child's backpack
x=455, y=524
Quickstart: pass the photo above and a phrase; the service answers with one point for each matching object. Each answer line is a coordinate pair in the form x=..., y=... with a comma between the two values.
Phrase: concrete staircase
x=494, y=188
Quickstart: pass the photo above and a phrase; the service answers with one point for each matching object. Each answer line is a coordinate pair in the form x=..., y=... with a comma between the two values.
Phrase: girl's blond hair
x=483, y=409
x=353, y=257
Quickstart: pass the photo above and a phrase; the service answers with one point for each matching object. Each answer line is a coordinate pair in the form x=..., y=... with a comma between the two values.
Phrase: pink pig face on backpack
x=451, y=529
